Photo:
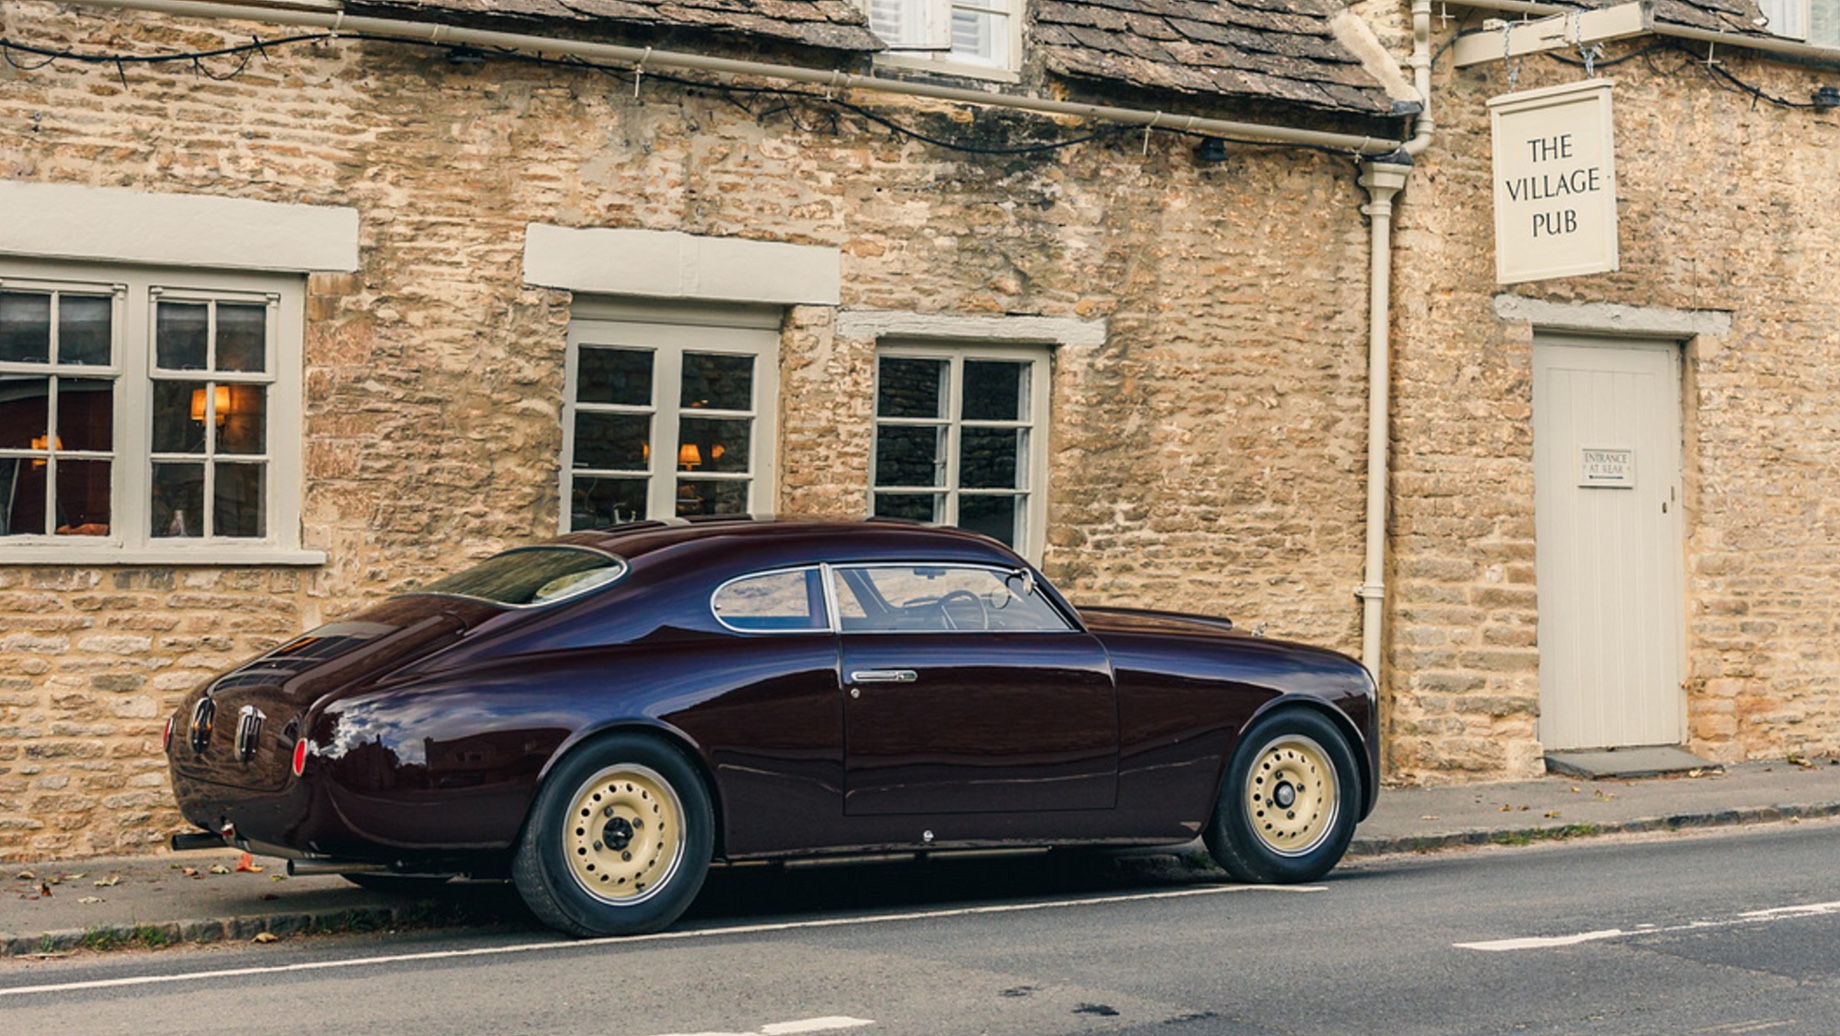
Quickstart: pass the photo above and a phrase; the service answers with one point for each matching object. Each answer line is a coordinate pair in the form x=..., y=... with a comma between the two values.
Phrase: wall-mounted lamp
x=1826, y=99
x=220, y=404
x=39, y=442
x=688, y=456
x=1211, y=150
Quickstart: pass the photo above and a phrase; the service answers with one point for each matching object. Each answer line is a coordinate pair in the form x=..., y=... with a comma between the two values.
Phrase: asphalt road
x=1736, y=932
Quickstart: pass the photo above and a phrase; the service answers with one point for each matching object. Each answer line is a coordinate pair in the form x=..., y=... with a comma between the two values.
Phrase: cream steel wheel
x=1289, y=799
x=1292, y=797
x=619, y=838
x=624, y=839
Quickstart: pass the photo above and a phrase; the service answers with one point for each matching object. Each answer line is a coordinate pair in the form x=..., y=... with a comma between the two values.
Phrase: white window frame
x=1033, y=496
x=928, y=43
x=1815, y=22
x=668, y=332
x=137, y=291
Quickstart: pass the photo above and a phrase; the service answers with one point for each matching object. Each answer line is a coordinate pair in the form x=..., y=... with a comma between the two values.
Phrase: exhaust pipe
x=323, y=865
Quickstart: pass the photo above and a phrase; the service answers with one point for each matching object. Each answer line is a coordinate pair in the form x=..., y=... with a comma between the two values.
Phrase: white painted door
x=1607, y=460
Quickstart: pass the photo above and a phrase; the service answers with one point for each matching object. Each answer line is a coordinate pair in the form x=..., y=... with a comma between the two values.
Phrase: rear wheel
x=1288, y=806
x=619, y=839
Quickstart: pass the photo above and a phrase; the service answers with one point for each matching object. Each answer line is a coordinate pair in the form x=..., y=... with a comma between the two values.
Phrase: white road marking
x=635, y=940
x=793, y=1028
x=1752, y=917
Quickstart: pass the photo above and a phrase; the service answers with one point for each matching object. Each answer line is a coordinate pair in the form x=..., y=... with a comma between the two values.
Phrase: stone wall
x=1727, y=206
x=1208, y=456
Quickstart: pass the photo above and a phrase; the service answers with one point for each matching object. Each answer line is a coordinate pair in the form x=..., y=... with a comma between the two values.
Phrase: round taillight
x=166, y=736
x=300, y=756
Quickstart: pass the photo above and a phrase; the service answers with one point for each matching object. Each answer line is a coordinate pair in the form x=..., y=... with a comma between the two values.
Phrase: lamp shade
x=220, y=403
x=688, y=456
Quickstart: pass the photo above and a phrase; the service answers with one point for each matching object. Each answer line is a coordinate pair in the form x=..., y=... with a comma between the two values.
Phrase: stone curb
x=1528, y=833
x=210, y=930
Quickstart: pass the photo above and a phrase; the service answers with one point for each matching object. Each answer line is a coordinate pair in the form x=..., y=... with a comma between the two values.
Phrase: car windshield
x=533, y=575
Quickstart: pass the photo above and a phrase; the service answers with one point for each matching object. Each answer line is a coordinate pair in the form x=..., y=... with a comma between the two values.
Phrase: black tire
x=1289, y=803
x=619, y=839
x=398, y=884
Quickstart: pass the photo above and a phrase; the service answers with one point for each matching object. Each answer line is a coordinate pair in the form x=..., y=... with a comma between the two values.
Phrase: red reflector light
x=300, y=756
x=166, y=738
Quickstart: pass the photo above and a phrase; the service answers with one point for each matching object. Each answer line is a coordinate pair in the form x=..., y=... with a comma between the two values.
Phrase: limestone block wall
x=1207, y=456
x=1727, y=206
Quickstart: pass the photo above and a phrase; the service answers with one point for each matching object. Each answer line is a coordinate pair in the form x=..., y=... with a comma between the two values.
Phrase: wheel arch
x=1358, y=746
x=664, y=733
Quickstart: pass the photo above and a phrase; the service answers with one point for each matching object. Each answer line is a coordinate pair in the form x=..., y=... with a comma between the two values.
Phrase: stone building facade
x=445, y=248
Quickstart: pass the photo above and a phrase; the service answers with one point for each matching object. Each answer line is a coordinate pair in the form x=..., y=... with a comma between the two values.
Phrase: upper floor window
x=977, y=37
x=666, y=420
x=1816, y=22
x=146, y=414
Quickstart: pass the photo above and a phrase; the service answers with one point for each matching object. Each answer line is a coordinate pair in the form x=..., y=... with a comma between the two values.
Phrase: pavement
x=56, y=907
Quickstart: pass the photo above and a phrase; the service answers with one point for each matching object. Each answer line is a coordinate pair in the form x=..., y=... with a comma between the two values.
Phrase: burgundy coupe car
x=602, y=716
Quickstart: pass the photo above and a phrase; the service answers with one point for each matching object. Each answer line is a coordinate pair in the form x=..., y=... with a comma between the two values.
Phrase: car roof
x=766, y=541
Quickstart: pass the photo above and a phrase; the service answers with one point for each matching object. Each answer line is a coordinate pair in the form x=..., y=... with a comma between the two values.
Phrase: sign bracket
x=1505, y=41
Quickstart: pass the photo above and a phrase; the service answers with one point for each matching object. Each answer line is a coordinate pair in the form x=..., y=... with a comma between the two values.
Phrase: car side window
x=943, y=598
x=772, y=602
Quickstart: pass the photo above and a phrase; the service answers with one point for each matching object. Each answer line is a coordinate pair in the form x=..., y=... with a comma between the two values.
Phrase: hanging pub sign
x=1555, y=182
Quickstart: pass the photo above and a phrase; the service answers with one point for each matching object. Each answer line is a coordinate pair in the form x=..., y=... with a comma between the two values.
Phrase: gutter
x=646, y=57
x=1766, y=44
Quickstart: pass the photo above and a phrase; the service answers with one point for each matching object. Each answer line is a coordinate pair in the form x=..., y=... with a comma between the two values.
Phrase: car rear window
x=533, y=576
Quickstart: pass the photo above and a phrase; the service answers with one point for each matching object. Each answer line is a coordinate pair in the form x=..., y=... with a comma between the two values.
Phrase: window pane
x=22, y=494
x=937, y=597
x=909, y=456
x=774, y=601
x=712, y=496
x=181, y=336
x=24, y=411
x=25, y=327
x=240, y=504
x=994, y=516
x=713, y=444
x=83, y=498
x=86, y=414
x=908, y=387
x=622, y=376
x=175, y=428
x=242, y=337
x=1824, y=23
x=991, y=458
x=84, y=323
x=714, y=381
x=617, y=442
x=599, y=502
x=899, y=22
x=242, y=424
x=178, y=500
x=920, y=507
x=996, y=391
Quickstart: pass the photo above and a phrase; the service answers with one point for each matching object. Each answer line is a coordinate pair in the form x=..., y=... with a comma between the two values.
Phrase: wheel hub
x=1292, y=795
x=625, y=838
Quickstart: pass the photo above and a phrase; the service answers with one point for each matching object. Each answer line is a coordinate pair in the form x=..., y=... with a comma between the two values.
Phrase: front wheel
x=618, y=841
x=1288, y=806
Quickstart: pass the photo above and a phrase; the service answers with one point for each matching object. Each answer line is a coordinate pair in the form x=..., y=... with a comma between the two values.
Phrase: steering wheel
x=945, y=610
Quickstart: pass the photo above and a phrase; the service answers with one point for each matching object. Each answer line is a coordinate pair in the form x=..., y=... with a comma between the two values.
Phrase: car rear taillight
x=166, y=737
x=300, y=756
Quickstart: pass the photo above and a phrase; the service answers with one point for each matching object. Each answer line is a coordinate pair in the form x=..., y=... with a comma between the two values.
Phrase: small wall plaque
x=1607, y=468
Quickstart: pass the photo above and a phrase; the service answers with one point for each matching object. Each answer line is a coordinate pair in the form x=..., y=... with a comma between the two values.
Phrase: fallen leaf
x=44, y=889
x=277, y=877
x=26, y=876
x=190, y=872
x=218, y=868
x=246, y=864
x=1505, y=808
x=1552, y=814
x=266, y=937
x=1429, y=816
x=90, y=899
x=109, y=882
x=73, y=877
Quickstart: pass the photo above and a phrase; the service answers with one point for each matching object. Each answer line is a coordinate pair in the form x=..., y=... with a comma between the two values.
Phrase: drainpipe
x=1384, y=177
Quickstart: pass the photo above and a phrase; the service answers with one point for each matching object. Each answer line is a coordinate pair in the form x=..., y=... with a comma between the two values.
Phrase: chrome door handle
x=884, y=676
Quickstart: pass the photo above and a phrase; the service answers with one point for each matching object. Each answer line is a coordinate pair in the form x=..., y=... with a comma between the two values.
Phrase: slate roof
x=1279, y=50
x=828, y=24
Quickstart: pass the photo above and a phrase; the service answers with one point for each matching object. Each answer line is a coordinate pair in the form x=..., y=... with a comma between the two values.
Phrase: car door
x=967, y=691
